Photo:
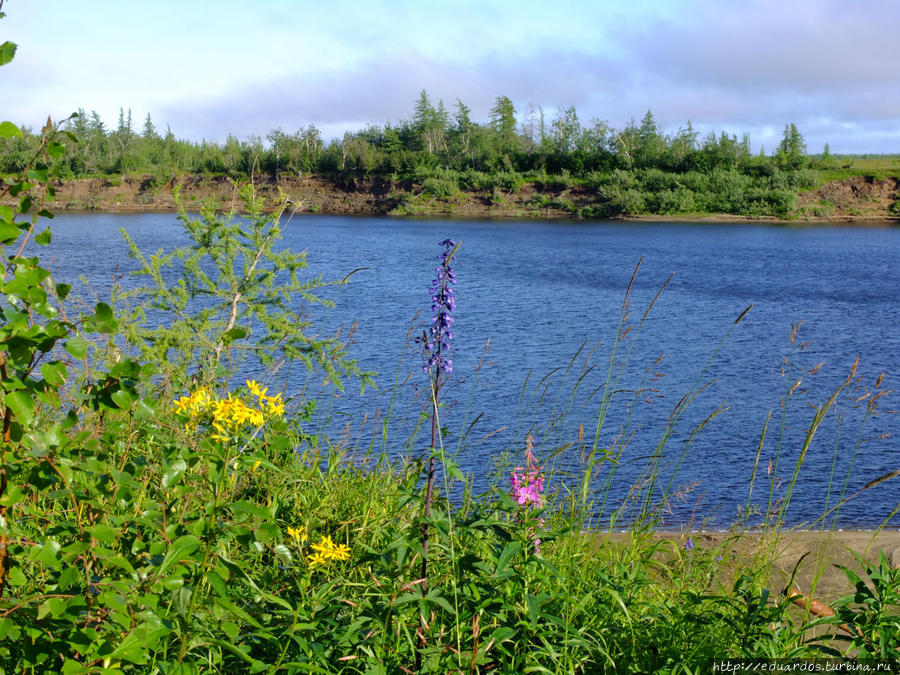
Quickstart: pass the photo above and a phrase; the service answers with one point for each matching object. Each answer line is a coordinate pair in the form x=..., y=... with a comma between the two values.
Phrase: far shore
x=379, y=197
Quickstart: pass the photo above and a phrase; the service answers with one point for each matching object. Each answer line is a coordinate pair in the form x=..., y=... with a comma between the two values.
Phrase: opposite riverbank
x=856, y=200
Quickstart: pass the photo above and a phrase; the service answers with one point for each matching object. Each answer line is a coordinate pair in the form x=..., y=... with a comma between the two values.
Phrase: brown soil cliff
x=857, y=199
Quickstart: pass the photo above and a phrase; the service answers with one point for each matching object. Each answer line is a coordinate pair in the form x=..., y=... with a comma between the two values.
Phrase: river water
x=538, y=312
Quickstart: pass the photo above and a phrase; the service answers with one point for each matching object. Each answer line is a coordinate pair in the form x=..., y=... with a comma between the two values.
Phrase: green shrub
x=440, y=188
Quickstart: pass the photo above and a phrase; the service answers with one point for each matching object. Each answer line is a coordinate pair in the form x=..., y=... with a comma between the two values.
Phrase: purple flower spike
x=443, y=303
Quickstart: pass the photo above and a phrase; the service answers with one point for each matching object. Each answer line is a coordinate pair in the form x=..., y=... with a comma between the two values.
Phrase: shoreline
x=699, y=219
x=385, y=198
x=805, y=561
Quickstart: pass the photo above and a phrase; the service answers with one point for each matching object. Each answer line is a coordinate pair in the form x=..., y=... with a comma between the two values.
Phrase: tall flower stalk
x=438, y=365
x=527, y=488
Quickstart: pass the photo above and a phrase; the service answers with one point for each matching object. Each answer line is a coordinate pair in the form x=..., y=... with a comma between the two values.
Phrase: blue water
x=531, y=294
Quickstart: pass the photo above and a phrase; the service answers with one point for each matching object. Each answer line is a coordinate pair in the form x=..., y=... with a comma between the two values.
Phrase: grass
x=877, y=167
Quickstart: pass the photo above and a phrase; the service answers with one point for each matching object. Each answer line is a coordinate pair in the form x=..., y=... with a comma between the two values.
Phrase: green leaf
x=145, y=409
x=6, y=214
x=19, y=187
x=170, y=477
x=182, y=548
x=266, y=532
x=8, y=232
x=235, y=333
x=54, y=373
x=123, y=399
x=501, y=634
x=121, y=563
x=512, y=548
x=47, y=554
x=104, y=533
x=77, y=347
x=218, y=584
x=55, y=149
x=9, y=130
x=435, y=596
x=104, y=321
x=7, y=52
x=43, y=238
x=16, y=577
x=9, y=629
x=21, y=404
x=249, y=508
x=284, y=554
x=38, y=175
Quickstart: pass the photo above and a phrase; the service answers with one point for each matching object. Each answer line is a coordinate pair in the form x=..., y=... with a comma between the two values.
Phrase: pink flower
x=527, y=488
x=527, y=485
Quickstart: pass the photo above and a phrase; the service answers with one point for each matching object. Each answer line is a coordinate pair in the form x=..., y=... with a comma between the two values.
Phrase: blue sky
x=207, y=68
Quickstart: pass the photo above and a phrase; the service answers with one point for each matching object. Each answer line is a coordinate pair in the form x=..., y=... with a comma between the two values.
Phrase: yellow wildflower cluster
x=298, y=534
x=228, y=416
x=323, y=552
x=326, y=551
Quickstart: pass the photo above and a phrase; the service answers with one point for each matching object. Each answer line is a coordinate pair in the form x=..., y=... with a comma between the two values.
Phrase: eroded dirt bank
x=853, y=200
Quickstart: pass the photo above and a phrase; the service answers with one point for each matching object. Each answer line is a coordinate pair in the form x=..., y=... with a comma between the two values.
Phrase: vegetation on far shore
x=437, y=161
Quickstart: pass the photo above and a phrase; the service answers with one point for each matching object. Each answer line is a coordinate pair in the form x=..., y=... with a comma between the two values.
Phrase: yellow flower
x=327, y=549
x=228, y=416
x=340, y=552
x=255, y=389
x=317, y=560
x=274, y=406
x=299, y=534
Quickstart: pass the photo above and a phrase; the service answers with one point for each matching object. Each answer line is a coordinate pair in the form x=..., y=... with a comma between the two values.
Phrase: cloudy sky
x=208, y=68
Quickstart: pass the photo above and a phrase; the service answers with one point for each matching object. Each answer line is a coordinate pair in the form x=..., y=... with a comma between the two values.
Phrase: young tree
x=461, y=134
x=791, y=152
x=149, y=129
x=503, y=126
x=430, y=123
x=650, y=144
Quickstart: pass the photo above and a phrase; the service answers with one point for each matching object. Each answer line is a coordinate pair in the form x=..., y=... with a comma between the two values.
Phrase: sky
x=210, y=68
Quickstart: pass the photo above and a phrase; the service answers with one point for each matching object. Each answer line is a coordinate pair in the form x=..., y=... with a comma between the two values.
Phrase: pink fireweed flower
x=528, y=481
x=528, y=487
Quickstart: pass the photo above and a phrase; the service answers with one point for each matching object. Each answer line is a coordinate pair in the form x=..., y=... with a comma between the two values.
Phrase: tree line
x=636, y=169
x=434, y=137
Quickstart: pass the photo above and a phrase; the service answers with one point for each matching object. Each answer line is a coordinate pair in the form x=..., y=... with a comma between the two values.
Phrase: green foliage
x=872, y=612
x=236, y=296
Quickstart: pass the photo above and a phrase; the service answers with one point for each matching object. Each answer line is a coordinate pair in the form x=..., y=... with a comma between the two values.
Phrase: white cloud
x=209, y=70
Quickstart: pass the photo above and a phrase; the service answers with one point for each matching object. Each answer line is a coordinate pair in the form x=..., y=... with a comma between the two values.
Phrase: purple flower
x=443, y=303
x=689, y=545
